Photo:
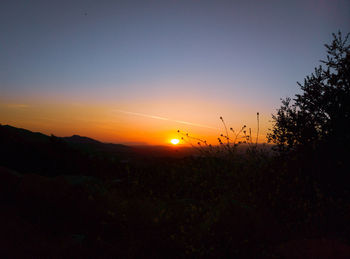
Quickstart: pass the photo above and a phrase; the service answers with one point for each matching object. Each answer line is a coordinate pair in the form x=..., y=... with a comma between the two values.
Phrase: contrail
x=165, y=119
x=17, y=105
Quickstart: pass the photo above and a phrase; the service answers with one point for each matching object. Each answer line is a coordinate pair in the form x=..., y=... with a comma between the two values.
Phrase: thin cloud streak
x=165, y=119
x=17, y=106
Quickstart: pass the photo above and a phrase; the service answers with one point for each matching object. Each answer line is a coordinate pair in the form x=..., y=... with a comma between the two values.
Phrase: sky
x=135, y=72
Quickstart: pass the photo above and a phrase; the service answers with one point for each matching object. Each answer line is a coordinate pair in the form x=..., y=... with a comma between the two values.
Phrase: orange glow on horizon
x=152, y=123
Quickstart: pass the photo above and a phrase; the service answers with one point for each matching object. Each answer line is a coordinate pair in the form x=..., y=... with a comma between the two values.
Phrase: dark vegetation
x=77, y=197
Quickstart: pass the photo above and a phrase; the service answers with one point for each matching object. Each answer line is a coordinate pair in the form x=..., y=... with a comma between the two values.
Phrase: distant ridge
x=81, y=140
x=32, y=152
x=20, y=135
x=25, y=135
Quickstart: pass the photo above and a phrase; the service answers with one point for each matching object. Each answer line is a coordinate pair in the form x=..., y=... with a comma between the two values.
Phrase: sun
x=174, y=141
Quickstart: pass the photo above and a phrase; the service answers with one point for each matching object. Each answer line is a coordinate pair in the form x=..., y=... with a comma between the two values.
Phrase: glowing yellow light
x=174, y=141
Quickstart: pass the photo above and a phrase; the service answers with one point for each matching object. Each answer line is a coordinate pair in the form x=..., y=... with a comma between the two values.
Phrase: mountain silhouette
x=81, y=140
x=33, y=152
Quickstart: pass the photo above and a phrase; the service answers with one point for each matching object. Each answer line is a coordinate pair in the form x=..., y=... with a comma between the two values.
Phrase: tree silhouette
x=320, y=115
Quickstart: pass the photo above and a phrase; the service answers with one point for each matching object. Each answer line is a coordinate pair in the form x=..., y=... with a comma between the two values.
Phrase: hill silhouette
x=78, y=155
x=33, y=152
x=81, y=140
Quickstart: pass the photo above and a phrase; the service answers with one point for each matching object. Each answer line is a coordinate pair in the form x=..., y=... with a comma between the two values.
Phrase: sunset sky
x=135, y=72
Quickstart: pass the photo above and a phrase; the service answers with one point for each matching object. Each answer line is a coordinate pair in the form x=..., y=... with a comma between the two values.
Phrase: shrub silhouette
x=320, y=115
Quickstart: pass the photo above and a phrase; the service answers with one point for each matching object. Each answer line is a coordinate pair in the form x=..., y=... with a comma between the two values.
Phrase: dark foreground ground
x=69, y=199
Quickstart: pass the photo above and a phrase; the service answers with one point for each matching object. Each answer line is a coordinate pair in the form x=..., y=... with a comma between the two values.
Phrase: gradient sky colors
x=136, y=71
